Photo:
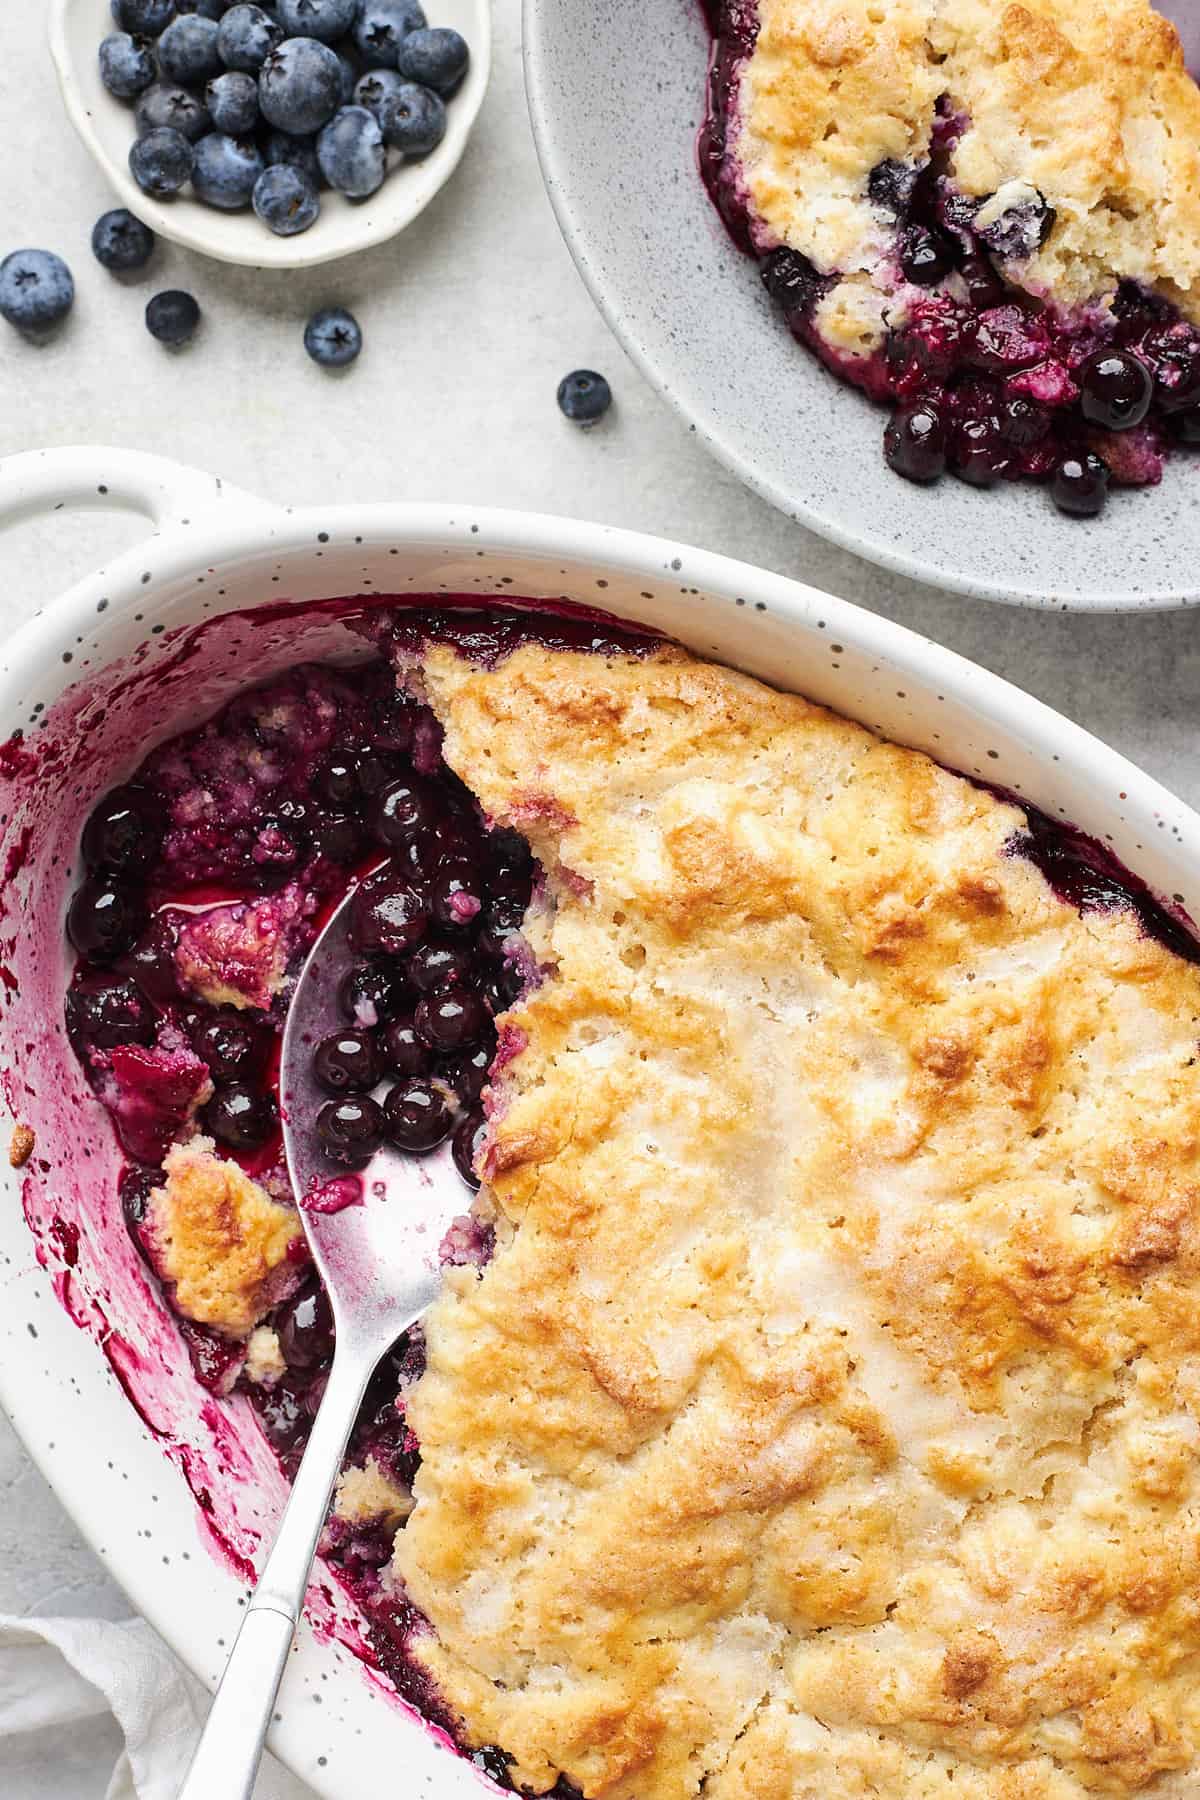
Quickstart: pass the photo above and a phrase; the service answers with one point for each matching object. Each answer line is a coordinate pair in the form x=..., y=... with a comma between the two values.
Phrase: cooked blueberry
x=435, y=965
x=914, y=442
x=300, y=86
x=403, y=811
x=380, y=27
x=285, y=1416
x=172, y=317
x=1080, y=484
x=450, y=1019
x=135, y=1188
x=1115, y=390
x=466, y=1074
x=792, y=281
x=891, y=185
x=328, y=20
x=37, y=290
x=336, y=779
x=926, y=257
x=437, y=58
x=984, y=287
x=418, y=1116
x=161, y=162
x=235, y=1045
x=226, y=170
x=152, y=963
x=1185, y=427
x=232, y=101
x=351, y=154
x=414, y=119
x=979, y=453
x=333, y=337
x=387, y=915
x=346, y=1062
x=106, y=1010
x=1019, y=230
x=502, y=988
x=1022, y=421
x=1007, y=338
x=456, y=894
x=494, y=1762
x=286, y=200
x=338, y=836
x=246, y=38
x=126, y=65
x=144, y=18
x=584, y=396
x=374, y=88
x=168, y=108
x=376, y=768
x=187, y=50
x=305, y=1328
x=124, y=832
x=469, y=1134
x=293, y=152
x=372, y=993
x=105, y=918
x=1175, y=356
x=401, y=1051
x=120, y=242
x=240, y=1116
x=350, y=1131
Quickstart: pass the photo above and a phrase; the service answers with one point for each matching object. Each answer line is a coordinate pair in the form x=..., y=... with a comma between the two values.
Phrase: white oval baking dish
x=65, y=680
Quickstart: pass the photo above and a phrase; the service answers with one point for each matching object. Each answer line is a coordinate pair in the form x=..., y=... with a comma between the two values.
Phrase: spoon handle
x=231, y=1744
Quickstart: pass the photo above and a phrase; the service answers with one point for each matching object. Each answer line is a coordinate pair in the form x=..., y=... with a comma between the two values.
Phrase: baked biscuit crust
x=827, y=1422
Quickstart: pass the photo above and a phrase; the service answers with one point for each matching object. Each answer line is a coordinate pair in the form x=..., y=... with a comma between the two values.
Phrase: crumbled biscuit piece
x=21, y=1146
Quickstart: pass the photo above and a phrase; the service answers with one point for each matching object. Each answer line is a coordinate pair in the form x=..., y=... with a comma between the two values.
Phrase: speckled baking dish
x=175, y=1491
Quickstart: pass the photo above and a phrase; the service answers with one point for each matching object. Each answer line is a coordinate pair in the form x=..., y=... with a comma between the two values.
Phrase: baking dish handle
x=97, y=478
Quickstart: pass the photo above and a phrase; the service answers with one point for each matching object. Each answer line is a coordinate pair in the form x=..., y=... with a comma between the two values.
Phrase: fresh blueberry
x=914, y=442
x=324, y=19
x=126, y=65
x=226, y=170
x=348, y=69
x=381, y=26
x=584, y=396
x=207, y=9
x=246, y=38
x=436, y=57
x=282, y=151
x=37, y=289
x=414, y=119
x=187, y=50
x=233, y=103
x=300, y=86
x=333, y=338
x=374, y=88
x=172, y=317
x=1115, y=390
x=1080, y=484
x=161, y=162
x=240, y=1116
x=286, y=200
x=120, y=242
x=168, y=108
x=350, y=151
x=144, y=18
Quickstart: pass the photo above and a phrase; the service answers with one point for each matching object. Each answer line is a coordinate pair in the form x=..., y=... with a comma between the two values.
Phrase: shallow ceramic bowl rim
x=74, y=1419
x=342, y=230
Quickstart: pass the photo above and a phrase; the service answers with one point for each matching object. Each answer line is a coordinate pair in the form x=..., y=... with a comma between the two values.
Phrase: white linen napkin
x=63, y=1682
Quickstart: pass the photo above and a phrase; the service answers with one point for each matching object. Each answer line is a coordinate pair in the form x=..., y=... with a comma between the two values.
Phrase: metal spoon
x=378, y=1258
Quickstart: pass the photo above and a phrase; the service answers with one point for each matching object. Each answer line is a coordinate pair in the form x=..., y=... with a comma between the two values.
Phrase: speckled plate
x=616, y=95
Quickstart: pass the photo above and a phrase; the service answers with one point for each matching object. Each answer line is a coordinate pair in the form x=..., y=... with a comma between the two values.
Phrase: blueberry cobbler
x=812, y=1411
x=984, y=215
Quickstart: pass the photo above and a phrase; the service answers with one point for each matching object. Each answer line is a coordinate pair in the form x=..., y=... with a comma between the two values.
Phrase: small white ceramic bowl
x=344, y=227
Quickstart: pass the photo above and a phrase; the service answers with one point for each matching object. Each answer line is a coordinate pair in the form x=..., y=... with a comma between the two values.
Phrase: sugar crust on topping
x=827, y=1423
x=224, y=1246
x=1086, y=101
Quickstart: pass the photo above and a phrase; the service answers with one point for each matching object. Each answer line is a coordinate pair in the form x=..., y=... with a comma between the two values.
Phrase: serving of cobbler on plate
x=812, y=1408
x=983, y=213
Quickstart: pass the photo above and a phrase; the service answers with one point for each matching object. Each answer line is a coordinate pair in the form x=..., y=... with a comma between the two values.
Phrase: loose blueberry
x=351, y=153
x=283, y=151
x=414, y=119
x=37, y=290
x=926, y=257
x=914, y=442
x=304, y=1327
x=1115, y=390
x=466, y=1074
x=226, y=170
x=418, y=1116
x=469, y=1134
x=167, y=108
x=126, y=65
x=235, y=1045
x=584, y=397
x=246, y=38
x=241, y=1117
x=105, y=918
x=387, y=915
x=124, y=832
x=371, y=994
x=435, y=965
x=120, y=242
x=792, y=281
x=106, y=1010
x=346, y=1062
x=350, y=1131
x=161, y=162
x=327, y=20
x=401, y=1051
x=380, y=28
x=1080, y=484
x=286, y=200
x=1022, y=421
x=187, y=50
x=172, y=317
x=232, y=101
x=376, y=87
x=300, y=86
x=980, y=455
x=333, y=338
x=437, y=58
x=450, y=1019
x=144, y=18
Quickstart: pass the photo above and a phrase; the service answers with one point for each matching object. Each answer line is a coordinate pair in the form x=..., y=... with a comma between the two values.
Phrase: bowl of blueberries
x=280, y=136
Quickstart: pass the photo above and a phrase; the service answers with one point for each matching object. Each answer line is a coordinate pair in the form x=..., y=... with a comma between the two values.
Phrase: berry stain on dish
x=936, y=209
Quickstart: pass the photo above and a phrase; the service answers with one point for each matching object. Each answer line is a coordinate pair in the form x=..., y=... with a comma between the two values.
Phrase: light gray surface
x=470, y=320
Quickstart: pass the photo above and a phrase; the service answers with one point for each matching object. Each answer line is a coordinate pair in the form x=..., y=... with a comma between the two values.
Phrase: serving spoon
x=374, y=1238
